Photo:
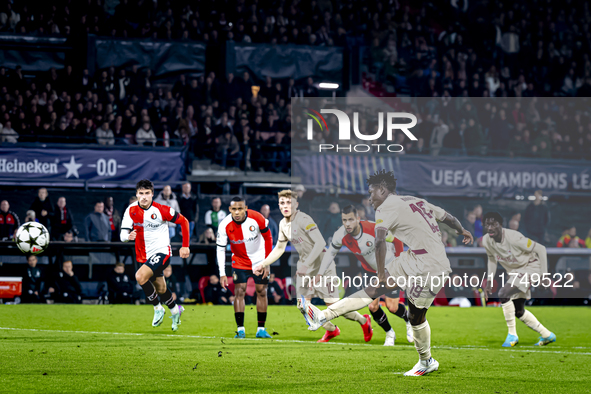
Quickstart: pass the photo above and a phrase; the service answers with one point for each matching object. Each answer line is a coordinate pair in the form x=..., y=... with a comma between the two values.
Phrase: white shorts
x=520, y=278
x=329, y=293
x=420, y=289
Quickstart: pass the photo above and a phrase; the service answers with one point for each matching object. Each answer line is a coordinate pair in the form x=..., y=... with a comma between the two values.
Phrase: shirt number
x=425, y=214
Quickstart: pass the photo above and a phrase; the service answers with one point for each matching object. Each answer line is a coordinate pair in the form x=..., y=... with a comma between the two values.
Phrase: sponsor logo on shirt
x=150, y=225
x=241, y=241
x=297, y=241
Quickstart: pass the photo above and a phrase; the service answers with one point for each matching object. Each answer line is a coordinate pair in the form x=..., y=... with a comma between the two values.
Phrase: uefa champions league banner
x=444, y=175
x=66, y=167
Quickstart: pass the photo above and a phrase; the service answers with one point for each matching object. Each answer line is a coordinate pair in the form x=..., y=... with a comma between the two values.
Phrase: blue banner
x=445, y=176
x=63, y=166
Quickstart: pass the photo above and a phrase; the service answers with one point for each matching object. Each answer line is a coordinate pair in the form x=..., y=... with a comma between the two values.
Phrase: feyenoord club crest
x=153, y=216
x=369, y=244
x=251, y=228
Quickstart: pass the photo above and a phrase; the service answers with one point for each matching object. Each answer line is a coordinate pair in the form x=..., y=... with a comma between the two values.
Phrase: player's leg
x=505, y=294
x=168, y=300
x=546, y=336
x=399, y=309
x=417, y=315
x=143, y=276
x=240, y=290
x=380, y=317
x=262, y=304
x=352, y=303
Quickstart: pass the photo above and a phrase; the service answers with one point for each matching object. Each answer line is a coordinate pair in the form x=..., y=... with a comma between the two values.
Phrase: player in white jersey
x=525, y=262
x=421, y=270
x=146, y=223
x=301, y=230
x=359, y=237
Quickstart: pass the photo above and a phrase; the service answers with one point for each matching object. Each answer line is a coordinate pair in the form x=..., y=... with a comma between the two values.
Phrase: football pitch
x=114, y=349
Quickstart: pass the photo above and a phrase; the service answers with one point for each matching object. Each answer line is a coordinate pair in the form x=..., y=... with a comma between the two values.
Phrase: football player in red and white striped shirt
x=146, y=223
x=251, y=242
x=359, y=237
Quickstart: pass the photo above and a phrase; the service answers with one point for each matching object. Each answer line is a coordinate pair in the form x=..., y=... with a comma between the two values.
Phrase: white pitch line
x=467, y=347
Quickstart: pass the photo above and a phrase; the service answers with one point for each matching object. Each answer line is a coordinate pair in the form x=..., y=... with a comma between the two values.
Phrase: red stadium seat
x=203, y=282
x=280, y=283
x=440, y=298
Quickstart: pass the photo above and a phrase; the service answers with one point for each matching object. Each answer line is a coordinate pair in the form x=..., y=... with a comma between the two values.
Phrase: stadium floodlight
x=328, y=85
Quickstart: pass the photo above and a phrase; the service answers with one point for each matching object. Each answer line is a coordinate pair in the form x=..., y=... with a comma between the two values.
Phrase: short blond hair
x=288, y=193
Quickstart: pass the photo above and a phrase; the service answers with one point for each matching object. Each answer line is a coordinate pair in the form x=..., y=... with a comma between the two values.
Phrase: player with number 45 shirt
x=146, y=223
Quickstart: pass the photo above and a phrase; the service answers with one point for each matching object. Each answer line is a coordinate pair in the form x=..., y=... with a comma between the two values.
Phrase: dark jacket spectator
x=275, y=292
x=33, y=281
x=216, y=294
x=119, y=285
x=9, y=221
x=42, y=207
x=96, y=224
x=61, y=220
x=67, y=286
x=333, y=221
x=266, y=212
x=536, y=218
x=188, y=206
x=114, y=218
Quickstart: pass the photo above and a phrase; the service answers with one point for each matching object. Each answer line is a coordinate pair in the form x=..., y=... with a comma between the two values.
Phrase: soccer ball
x=32, y=238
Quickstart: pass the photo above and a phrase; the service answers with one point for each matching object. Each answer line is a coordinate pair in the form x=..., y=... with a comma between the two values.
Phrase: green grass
x=92, y=349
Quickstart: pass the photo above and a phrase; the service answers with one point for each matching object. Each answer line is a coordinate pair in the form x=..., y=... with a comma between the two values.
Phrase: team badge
x=235, y=276
x=369, y=244
x=153, y=216
x=251, y=228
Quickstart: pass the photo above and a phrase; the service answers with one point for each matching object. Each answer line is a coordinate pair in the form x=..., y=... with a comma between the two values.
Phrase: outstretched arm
x=275, y=254
x=541, y=251
x=455, y=224
x=381, y=251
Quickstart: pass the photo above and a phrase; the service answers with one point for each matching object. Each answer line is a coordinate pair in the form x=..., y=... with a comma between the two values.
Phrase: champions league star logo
x=72, y=168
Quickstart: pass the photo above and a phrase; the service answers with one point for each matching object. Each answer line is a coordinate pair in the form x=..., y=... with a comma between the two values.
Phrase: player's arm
x=275, y=254
x=490, y=274
x=381, y=250
x=398, y=245
x=126, y=233
x=335, y=245
x=319, y=244
x=221, y=243
x=455, y=224
x=542, y=256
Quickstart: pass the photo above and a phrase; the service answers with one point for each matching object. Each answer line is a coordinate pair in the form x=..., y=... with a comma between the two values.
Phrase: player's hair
x=349, y=209
x=383, y=178
x=145, y=184
x=288, y=194
x=119, y=264
x=494, y=216
x=237, y=199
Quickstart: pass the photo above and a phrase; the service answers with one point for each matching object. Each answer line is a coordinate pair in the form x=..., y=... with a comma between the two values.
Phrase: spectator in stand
x=43, y=207
x=9, y=221
x=96, y=224
x=266, y=212
x=369, y=212
x=168, y=198
x=33, y=282
x=119, y=286
x=67, y=287
x=569, y=239
x=188, y=206
x=9, y=135
x=215, y=215
x=31, y=216
x=275, y=292
x=477, y=211
x=207, y=237
x=469, y=224
x=216, y=294
x=145, y=135
x=536, y=218
x=514, y=224
x=104, y=134
x=61, y=220
x=114, y=218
